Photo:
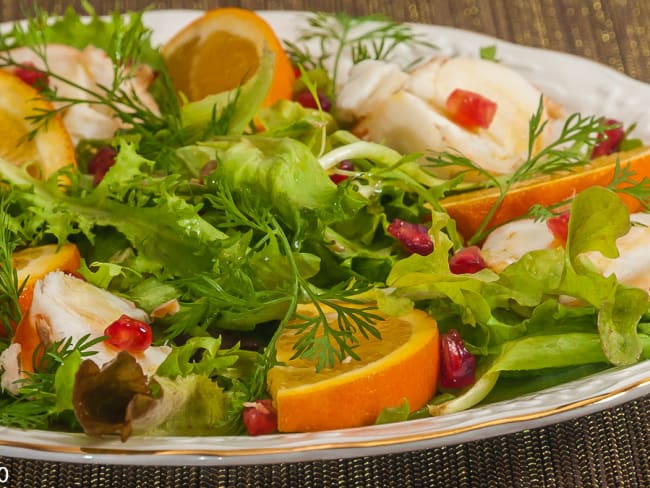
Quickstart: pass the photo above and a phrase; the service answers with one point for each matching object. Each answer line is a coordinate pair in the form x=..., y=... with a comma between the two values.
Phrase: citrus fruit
x=221, y=50
x=51, y=147
x=403, y=364
x=470, y=209
x=32, y=264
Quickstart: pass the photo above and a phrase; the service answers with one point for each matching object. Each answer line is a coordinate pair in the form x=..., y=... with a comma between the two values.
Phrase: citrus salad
x=233, y=234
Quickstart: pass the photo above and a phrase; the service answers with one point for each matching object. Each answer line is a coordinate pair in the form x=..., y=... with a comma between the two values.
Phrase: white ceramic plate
x=580, y=85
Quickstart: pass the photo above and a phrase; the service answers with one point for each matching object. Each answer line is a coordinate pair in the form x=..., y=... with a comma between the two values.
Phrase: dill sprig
x=320, y=341
x=35, y=404
x=570, y=149
x=10, y=286
x=623, y=182
x=327, y=345
x=128, y=44
x=368, y=37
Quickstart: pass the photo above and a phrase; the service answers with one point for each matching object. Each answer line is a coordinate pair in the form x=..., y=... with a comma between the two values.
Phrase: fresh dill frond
x=540, y=212
x=35, y=404
x=462, y=166
x=569, y=150
x=47, y=359
x=221, y=119
x=23, y=413
x=10, y=285
x=321, y=342
x=126, y=41
x=326, y=344
x=360, y=38
x=623, y=182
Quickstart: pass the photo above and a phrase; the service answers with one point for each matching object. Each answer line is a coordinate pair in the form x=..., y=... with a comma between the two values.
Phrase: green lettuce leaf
x=598, y=218
x=188, y=405
x=525, y=354
x=281, y=174
x=168, y=232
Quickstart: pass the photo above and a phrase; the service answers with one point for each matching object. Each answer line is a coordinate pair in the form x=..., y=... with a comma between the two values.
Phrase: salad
x=210, y=229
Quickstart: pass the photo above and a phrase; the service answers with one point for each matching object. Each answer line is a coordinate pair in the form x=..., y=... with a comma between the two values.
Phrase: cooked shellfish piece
x=409, y=112
x=65, y=307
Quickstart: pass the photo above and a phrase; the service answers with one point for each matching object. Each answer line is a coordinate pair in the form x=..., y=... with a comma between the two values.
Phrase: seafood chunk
x=511, y=241
x=409, y=114
x=65, y=307
x=82, y=72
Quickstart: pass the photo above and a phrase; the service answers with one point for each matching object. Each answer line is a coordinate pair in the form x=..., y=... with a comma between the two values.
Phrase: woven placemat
x=610, y=448
x=613, y=32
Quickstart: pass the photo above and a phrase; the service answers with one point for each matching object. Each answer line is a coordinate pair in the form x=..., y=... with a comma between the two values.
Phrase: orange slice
x=50, y=149
x=469, y=209
x=221, y=50
x=32, y=264
x=403, y=364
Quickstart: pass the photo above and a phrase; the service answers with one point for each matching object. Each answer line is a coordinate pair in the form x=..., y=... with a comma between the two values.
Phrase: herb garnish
x=578, y=135
x=10, y=286
x=338, y=35
x=45, y=393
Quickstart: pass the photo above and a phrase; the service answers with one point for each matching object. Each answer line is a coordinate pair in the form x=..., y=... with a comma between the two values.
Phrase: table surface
x=610, y=448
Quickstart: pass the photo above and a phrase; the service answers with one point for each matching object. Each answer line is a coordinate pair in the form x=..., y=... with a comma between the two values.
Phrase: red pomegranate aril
x=31, y=75
x=559, y=226
x=414, y=237
x=129, y=334
x=260, y=417
x=609, y=141
x=101, y=162
x=307, y=100
x=467, y=260
x=470, y=109
x=457, y=364
x=344, y=165
x=337, y=178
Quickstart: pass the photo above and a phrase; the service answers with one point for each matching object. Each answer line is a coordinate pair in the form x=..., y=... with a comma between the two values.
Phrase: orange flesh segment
x=221, y=50
x=470, y=209
x=402, y=365
x=50, y=149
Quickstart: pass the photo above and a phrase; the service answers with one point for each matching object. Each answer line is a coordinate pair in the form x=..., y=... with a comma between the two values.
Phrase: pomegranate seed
x=457, y=364
x=470, y=109
x=306, y=99
x=101, y=162
x=31, y=75
x=467, y=260
x=344, y=165
x=260, y=417
x=414, y=237
x=610, y=141
x=129, y=334
x=559, y=226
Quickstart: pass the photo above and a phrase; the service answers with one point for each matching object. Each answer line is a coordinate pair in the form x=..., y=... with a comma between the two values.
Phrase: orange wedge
x=50, y=149
x=470, y=209
x=32, y=264
x=403, y=364
x=221, y=50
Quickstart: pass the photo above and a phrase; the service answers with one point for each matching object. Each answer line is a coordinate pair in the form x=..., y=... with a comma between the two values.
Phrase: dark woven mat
x=610, y=448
